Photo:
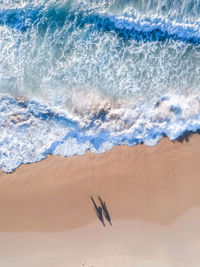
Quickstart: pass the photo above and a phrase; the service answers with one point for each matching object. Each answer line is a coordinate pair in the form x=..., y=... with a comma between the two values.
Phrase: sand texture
x=47, y=217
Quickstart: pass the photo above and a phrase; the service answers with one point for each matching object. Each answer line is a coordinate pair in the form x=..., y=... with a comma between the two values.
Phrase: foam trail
x=139, y=28
x=30, y=131
x=89, y=75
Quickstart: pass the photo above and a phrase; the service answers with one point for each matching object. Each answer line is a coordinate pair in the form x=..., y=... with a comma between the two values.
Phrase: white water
x=79, y=75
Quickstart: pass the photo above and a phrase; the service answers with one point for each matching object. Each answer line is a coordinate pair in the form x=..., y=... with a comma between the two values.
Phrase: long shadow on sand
x=105, y=210
x=98, y=211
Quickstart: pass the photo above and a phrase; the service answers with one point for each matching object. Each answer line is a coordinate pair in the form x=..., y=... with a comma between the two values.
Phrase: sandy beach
x=99, y=133
x=152, y=194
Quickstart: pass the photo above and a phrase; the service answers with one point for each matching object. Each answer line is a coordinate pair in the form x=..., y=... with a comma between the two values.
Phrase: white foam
x=50, y=65
x=70, y=147
x=30, y=131
x=95, y=84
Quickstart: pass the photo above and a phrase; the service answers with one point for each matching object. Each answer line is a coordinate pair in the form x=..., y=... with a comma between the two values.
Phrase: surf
x=79, y=75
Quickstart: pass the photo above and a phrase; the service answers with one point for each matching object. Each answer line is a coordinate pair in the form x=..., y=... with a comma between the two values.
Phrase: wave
x=145, y=29
x=89, y=75
x=51, y=48
x=30, y=131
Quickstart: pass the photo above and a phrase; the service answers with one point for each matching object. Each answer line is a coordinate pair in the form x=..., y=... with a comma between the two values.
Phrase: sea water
x=89, y=75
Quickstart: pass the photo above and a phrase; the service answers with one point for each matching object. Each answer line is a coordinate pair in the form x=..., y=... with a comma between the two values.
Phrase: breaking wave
x=88, y=75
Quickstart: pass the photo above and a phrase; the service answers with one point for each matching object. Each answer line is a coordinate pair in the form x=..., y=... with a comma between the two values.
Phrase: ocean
x=89, y=75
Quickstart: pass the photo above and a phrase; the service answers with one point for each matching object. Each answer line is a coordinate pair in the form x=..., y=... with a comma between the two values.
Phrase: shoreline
x=139, y=174
x=63, y=133
x=184, y=137
x=151, y=193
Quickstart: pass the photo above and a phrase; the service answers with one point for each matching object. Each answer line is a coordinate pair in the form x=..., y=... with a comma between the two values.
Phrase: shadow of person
x=105, y=211
x=98, y=211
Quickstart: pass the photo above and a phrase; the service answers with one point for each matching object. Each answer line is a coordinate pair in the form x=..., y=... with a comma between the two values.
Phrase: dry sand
x=152, y=194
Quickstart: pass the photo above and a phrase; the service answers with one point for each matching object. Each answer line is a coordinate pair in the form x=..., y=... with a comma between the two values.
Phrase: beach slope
x=151, y=194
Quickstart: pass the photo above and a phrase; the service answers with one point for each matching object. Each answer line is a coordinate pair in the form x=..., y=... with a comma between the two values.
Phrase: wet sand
x=152, y=194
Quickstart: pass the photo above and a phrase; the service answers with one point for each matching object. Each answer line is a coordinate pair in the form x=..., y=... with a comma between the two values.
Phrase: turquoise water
x=79, y=75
